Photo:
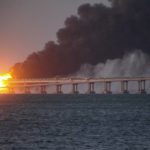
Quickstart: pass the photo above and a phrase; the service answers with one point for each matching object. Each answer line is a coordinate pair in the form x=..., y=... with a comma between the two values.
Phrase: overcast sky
x=26, y=25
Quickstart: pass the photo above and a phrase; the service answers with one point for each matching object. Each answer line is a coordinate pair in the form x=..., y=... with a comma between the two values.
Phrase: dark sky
x=26, y=25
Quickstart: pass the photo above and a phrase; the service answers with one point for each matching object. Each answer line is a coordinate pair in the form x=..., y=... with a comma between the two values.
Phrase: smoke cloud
x=96, y=34
x=132, y=64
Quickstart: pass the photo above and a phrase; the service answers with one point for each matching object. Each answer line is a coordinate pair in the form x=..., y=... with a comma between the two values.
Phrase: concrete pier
x=141, y=87
x=27, y=90
x=107, y=87
x=91, y=88
x=11, y=90
x=43, y=90
x=58, y=89
x=124, y=87
x=75, y=88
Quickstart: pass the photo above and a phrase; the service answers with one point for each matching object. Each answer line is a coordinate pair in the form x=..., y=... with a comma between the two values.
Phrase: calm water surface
x=74, y=122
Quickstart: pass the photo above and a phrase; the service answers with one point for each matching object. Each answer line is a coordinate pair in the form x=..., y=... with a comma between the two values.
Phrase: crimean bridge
x=107, y=84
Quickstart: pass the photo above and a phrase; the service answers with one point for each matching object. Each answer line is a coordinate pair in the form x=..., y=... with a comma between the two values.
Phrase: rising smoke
x=96, y=36
x=132, y=64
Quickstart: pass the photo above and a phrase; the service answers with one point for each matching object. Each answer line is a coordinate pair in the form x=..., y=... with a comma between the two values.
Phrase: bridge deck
x=75, y=80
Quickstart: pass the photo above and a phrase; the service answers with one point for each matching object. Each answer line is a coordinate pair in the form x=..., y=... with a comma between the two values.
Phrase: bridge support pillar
x=75, y=88
x=124, y=87
x=107, y=87
x=141, y=87
x=43, y=89
x=91, y=88
x=58, y=89
x=11, y=90
x=27, y=90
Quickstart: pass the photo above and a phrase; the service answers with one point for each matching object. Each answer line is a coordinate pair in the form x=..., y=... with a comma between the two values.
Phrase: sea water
x=74, y=122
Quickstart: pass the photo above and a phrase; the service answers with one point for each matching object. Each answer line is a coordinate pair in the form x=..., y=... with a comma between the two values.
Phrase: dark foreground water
x=74, y=122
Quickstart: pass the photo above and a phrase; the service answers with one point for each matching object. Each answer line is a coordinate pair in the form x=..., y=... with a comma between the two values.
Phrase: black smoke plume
x=95, y=34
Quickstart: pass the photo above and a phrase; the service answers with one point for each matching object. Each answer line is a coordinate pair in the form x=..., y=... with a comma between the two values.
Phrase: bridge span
x=43, y=84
